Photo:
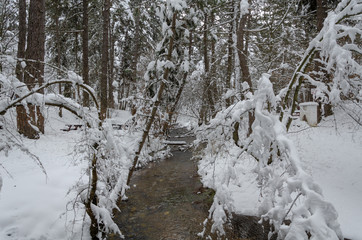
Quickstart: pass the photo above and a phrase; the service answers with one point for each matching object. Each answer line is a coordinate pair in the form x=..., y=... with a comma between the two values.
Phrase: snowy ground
x=34, y=206
x=38, y=206
x=332, y=154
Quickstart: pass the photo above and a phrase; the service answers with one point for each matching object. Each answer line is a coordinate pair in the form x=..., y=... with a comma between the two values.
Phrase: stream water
x=166, y=200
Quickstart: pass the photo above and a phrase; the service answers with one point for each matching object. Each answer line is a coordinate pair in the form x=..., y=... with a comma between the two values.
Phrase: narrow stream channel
x=165, y=201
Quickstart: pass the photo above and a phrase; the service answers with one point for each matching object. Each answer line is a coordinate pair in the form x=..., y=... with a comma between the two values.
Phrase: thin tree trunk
x=207, y=101
x=230, y=59
x=137, y=45
x=92, y=198
x=179, y=93
x=85, y=52
x=105, y=59
x=157, y=102
x=213, y=93
x=59, y=52
x=111, y=69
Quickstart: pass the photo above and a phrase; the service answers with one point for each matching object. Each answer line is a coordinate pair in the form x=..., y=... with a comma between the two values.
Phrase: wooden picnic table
x=117, y=126
x=72, y=127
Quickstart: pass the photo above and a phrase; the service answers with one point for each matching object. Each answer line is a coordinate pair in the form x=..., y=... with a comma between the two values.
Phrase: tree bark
x=20, y=110
x=22, y=39
x=58, y=45
x=33, y=122
x=230, y=59
x=111, y=68
x=85, y=52
x=105, y=59
x=243, y=60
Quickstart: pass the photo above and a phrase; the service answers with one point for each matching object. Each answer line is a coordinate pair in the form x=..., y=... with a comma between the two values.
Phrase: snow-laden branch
x=22, y=93
x=337, y=47
x=289, y=198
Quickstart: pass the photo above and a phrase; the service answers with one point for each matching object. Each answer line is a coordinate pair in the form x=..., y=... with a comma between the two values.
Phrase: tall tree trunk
x=85, y=52
x=105, y=59
x=321, y=15
x=157, y=103
x=137, y=45
x=213, y=92
x=58, y=45
x=179, y=92
x=243, y=60
x=207, y=98
x=230, y=59
x=22, y=39
x=20, y=110
x=111, y=68
x=33, y=123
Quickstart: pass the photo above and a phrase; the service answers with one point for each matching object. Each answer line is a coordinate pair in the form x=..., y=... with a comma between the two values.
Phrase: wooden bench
x=72, y=127
x=117, y=126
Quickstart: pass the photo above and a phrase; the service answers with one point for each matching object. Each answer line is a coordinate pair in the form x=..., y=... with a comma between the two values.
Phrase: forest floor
x=36, y=206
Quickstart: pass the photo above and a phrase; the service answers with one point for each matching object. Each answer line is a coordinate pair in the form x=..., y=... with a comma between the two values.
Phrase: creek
x=166, y=199
x=167, y=202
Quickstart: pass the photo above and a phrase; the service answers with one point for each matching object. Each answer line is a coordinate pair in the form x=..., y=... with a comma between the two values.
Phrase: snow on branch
x=338, y=48
x=18, y=92
x=289, y=199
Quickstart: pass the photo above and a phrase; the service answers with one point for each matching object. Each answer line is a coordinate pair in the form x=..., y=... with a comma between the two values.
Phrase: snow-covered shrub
x=288, y=199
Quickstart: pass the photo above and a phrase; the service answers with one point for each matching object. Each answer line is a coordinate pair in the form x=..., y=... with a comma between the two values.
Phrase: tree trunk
x=321, y=15
x=157, y=103
x=179, y=93
x=58, y=46
x=20, y=110
x=105, y=59
x=22, y=39
x=230, y=59
x=207, y=98
x=85, y=52
x=243, y=60
x=33, y=122
x=111, y=69
x=137, y=45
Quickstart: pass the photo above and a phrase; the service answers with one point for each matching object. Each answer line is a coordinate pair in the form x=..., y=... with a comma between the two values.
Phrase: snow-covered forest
x=271, y=90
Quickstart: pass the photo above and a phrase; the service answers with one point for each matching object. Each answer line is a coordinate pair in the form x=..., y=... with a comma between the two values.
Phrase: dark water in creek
x=165, y=201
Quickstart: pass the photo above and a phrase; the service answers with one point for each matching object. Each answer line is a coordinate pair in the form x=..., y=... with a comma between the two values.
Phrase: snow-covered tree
x=339, y=49
x=289, y=198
